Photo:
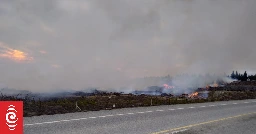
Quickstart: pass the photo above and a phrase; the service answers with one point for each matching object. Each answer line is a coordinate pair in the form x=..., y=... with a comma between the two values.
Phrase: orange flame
x=215, y=85
x=193, y=95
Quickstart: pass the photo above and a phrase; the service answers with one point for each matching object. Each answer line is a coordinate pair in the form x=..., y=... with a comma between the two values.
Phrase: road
x=226, y=117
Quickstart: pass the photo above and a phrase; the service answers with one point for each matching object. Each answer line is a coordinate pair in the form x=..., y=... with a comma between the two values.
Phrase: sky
x=75, y=44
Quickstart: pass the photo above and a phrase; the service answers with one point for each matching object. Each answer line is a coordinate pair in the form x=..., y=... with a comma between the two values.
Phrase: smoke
x=110, y=44
x=180, y=84
x=190, y=83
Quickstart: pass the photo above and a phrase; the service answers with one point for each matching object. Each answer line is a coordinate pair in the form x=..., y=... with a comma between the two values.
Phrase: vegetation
x=108, y=102
x=242, y=77
x=99, y=100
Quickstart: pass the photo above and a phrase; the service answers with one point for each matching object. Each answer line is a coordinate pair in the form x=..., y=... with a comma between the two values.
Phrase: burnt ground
x=108, y=101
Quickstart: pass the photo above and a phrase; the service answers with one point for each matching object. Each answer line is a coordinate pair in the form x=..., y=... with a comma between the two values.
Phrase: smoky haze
x=63, y=44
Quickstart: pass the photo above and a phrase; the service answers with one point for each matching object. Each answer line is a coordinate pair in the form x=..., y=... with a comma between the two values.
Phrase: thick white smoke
x=76, y=44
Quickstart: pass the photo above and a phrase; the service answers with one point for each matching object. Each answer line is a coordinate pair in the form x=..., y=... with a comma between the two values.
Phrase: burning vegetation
x=167, y=94
x=35, y=105
x=193, y=95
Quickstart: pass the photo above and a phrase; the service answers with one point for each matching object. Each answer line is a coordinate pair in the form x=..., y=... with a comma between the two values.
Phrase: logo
x=11, y=117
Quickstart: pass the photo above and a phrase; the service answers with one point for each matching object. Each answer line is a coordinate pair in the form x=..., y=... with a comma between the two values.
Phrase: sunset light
x=13, y=54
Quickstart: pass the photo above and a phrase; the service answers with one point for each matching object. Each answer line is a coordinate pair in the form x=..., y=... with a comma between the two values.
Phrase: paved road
x=241, y=124
x=215, y=117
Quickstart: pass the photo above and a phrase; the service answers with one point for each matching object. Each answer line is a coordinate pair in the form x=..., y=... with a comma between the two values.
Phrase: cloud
x=43, y=52
x=13, y=54
x=55, y=66
x=47, y=29
x=74, y=5
x=90, y=40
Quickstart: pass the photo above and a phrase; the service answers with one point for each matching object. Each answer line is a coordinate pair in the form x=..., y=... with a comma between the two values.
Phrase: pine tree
x=245, y=76
x=233, y=75
x=236, y=76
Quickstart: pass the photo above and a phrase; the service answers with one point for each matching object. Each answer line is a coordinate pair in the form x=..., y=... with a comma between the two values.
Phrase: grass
x=104, y=102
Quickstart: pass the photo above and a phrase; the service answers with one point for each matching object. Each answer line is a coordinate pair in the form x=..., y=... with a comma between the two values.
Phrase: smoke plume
x=110, y=44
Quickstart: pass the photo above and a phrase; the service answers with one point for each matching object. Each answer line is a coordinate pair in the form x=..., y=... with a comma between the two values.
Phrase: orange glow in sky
x=13, y=54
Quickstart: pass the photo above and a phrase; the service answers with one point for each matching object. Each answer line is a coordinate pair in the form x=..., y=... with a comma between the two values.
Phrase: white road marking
x=159, y=110
x=212, y=105
x=46, y=123
x=113, y=115
x=141, y=112
x=75, y=119
x=180, y=108
x=56, y=121
x=65, y=120
x=28, y=124
x=92, y=117
x=40, y=123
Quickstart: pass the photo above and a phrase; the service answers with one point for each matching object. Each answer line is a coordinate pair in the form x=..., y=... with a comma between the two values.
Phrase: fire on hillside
x=168, y=90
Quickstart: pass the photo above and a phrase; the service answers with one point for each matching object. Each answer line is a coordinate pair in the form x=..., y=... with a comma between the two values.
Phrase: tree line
x=242, y=77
